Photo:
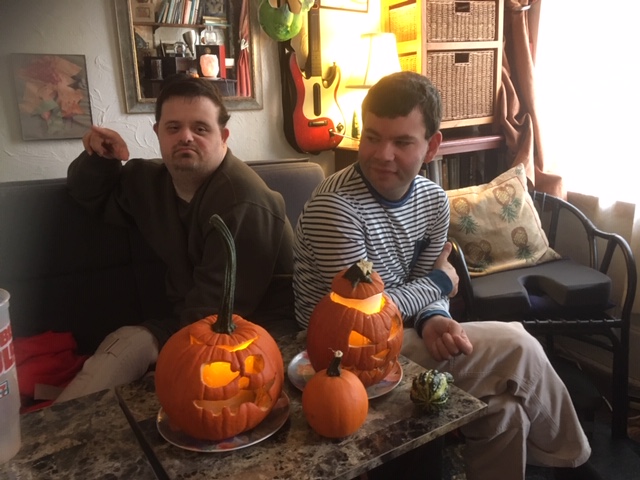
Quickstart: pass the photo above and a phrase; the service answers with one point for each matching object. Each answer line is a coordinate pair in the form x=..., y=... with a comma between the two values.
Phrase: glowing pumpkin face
x=359, y=319
x=221, y=375
x=215, y=386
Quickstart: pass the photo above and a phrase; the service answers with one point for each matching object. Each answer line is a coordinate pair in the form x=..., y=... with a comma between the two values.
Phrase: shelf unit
x=458, y=45
x=461, y=142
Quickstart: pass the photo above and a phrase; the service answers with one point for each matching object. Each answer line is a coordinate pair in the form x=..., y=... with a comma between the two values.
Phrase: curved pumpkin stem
x=334, y=367
x=225, y=324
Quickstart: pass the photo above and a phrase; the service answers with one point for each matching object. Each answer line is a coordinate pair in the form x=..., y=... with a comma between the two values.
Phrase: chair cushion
x=568, y=284
x=497, y=225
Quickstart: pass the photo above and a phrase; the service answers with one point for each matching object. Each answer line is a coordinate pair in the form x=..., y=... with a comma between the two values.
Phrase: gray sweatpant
x=123, y=356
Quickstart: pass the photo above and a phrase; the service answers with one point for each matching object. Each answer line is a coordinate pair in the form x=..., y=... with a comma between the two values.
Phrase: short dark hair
x=182, y=85
x=396, y=95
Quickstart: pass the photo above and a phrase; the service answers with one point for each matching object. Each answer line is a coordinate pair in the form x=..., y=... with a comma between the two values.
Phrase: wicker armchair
x=568, y=297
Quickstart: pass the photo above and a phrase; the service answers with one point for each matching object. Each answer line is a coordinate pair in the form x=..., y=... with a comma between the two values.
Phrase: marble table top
x=86, y=438
x=394, y=426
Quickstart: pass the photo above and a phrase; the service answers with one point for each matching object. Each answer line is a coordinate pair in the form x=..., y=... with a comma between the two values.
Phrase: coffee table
x=85, y=438
x=394, y=426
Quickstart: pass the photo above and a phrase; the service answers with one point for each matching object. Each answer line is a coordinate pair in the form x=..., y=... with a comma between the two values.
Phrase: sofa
x=69, y=272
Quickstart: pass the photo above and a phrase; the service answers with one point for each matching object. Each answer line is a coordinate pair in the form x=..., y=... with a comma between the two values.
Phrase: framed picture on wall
x=350, y=5
x=143, y=10
x=52, y=94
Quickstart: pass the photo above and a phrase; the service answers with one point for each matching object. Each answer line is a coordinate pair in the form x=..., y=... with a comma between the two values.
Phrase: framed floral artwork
x=53, y=95
x=350, y=5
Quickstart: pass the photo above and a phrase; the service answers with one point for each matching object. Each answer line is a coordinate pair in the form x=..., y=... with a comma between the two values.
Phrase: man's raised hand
x=106, y=143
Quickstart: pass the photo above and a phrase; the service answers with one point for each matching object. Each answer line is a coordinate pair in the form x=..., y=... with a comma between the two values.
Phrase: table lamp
x=377, y=57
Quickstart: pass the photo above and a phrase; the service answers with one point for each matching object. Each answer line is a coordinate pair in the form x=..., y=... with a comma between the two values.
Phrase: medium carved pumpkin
x=221, y=375
x=359, y=319
x=334, y=401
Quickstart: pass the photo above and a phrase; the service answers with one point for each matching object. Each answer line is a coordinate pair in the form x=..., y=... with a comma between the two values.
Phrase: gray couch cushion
x=569, y=285
x=67, y=271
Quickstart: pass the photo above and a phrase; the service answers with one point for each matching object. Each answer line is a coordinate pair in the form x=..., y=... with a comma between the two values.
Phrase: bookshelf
x=162, y=49
x=465, y=157
x=458, y=45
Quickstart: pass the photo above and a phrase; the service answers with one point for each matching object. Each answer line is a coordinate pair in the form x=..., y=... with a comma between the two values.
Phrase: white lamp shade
x=377, y=58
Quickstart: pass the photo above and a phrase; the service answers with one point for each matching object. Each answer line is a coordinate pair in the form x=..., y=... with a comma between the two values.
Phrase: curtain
x=244, y=66
x=587, y=81
x=517, y=100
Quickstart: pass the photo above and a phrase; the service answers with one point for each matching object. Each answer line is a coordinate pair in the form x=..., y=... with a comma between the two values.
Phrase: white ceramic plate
x=300, y=372
x=270, y=425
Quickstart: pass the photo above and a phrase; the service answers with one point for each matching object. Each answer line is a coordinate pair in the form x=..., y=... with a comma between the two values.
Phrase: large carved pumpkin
x=359, y=319
x=221, y=375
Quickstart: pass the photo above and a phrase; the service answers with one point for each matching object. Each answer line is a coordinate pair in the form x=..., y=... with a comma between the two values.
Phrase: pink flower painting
x=52, y=94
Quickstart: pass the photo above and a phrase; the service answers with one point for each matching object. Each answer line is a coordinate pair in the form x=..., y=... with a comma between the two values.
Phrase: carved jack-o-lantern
x=221, y=375
x=359, y=319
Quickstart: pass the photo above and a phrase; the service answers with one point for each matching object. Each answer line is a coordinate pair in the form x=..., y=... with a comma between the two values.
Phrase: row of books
x=457, y=171
x=187, y=12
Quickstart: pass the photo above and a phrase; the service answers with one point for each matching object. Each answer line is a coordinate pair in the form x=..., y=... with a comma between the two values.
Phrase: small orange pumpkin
x=334, y=401
x=221, y=375
x=359, y=319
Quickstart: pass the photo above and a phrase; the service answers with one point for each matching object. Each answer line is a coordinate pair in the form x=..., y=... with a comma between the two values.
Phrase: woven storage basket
x=465, y=80
x=461, y=21
x=403, y=23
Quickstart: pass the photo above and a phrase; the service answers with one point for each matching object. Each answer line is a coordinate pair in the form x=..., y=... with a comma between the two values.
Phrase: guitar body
x=313, y=131
x=312, y=115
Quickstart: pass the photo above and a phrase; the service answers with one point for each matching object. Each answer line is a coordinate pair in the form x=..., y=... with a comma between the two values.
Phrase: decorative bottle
x=9, y=392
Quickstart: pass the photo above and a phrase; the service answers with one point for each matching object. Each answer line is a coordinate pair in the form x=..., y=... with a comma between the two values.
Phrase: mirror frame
x=136, y=103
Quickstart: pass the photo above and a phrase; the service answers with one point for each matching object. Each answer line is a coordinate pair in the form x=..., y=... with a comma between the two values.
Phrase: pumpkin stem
x=359, y=272
x=225, y=324
x=334, y=367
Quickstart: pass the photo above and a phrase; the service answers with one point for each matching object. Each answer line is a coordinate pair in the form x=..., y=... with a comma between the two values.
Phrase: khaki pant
x=530, y=417
x=123, y=356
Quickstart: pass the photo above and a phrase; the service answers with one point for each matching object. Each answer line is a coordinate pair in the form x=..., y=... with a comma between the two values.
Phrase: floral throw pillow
x=497, y=225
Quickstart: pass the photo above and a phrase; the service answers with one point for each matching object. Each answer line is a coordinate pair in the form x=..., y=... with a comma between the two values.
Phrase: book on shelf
x=433, y=170
x=453, y=166
x=452, y=172
x=183, y=12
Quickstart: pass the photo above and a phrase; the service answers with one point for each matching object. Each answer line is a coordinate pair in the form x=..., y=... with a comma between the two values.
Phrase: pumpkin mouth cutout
x=260, y=397
x=369, y=306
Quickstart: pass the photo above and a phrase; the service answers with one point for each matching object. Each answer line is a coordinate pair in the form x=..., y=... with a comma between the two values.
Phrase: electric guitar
x=312, y=114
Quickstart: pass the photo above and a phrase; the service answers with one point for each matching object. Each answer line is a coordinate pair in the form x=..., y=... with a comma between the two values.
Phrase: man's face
x=392, y=151
x=192, y=143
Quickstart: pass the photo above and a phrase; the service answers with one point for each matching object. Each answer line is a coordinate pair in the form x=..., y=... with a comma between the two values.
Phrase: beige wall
x=88, y=27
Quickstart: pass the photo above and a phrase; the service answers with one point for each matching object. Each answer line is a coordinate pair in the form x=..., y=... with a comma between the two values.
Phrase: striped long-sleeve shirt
x=346, y=220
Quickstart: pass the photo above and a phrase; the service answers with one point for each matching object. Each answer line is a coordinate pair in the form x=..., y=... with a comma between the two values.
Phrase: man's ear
x=434, y=145
x=155, y=128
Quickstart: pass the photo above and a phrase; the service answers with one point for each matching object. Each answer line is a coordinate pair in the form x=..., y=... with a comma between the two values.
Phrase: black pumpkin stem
x=359, y=272
x=225, y=324
x=334, y=367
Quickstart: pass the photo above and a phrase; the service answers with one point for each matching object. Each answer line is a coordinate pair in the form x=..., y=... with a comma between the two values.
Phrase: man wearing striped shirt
x=381, y=210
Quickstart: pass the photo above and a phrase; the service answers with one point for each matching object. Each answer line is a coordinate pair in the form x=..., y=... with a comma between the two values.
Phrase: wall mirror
x=221, y=37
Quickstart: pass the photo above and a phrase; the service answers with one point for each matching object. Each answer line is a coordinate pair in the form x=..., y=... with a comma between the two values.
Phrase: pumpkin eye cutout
x=217, y=374
x=358, y=340
x=229, y=348
x=254, y=364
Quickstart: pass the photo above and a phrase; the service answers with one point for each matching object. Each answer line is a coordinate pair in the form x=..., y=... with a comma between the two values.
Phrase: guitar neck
x=313, y=67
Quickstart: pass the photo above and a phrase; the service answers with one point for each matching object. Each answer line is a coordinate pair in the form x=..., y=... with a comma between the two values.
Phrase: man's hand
x=106, y=143
x=442, y=263
x=445, y=338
